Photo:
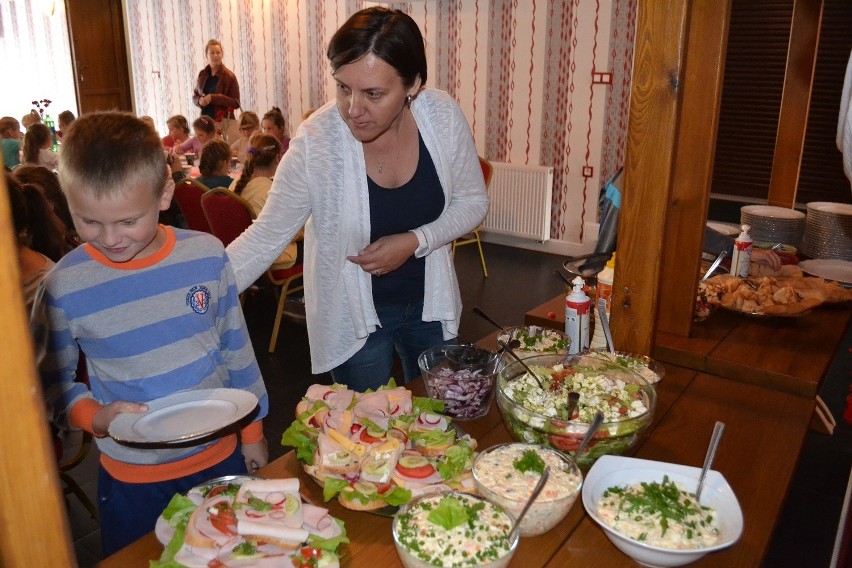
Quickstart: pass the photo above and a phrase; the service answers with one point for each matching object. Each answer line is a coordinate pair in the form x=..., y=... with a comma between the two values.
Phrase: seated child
x=10, y=141
x=64, y=120
x=155, y=311
x=37, y=147
x=215, y=164
x=205, y=130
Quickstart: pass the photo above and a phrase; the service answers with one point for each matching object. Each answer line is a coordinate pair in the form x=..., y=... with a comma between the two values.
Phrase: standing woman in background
x=386, y=179
x=217, y=91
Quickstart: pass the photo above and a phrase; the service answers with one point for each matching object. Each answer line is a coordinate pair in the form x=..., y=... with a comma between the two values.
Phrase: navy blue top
x=418, y=201
x=210, y=87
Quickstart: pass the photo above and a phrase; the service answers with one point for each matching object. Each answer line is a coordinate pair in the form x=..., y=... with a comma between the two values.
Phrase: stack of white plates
x=828, y=231
x=774, y=224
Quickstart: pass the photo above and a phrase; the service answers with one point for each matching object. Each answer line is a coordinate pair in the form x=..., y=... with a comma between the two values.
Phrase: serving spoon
x=718, y=429
x=590, y=433
x=604, y=320
x=533, y=496
x=510, y=349
x=478, y=311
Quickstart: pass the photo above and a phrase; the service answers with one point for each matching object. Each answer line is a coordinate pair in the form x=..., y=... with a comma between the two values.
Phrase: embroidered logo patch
x=198, y=298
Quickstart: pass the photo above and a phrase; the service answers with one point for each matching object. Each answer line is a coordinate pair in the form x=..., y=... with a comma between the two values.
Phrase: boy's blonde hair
x=108, y=153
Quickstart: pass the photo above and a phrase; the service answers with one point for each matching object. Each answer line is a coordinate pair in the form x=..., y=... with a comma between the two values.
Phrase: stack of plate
x=828, y=231
x=774, y=224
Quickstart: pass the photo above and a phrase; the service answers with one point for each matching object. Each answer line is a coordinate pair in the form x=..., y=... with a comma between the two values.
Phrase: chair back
x=487, y=170
x=188, y=194
x=227, y=213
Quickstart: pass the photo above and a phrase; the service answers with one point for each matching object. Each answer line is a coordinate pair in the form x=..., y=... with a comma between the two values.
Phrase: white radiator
x=520, y=201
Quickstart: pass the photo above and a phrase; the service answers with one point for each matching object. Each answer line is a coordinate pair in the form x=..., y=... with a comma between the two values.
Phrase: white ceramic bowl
x=611, y=471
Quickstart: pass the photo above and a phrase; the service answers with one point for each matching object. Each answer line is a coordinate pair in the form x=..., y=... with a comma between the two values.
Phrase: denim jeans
x=402, y=329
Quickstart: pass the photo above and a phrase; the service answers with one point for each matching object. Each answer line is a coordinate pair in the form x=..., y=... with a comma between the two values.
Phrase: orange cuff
x=83, y=413
x=252, y=433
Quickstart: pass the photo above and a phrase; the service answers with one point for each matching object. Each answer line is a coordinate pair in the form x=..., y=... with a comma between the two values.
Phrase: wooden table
x=786, y=354
x=765, y=432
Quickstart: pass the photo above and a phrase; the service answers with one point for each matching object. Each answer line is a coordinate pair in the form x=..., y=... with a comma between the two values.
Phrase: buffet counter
x=787, y=354
x=765, y=432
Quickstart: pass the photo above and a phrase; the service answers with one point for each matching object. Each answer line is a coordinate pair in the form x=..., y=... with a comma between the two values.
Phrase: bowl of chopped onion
x=462, y=376
x=648, y=510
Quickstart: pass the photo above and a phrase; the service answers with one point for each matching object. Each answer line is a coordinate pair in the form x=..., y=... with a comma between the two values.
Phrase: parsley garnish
x=530, y=461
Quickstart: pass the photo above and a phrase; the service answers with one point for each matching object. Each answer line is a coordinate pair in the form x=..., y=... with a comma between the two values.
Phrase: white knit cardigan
x=322, y=182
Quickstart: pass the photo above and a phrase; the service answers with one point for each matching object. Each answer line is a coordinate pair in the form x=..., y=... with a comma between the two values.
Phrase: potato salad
x=659, y=514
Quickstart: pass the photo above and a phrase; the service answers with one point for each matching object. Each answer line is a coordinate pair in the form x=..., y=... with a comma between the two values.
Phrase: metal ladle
x=590, y=433
x=604, y=321
x=478, y=311
x=535, y=493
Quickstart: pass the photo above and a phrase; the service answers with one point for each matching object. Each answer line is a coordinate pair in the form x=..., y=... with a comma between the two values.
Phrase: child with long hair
x=249, y=124
x=37, y=143
x=215, y=164
x=204, y=129
x=273, y=124
x=256, y=180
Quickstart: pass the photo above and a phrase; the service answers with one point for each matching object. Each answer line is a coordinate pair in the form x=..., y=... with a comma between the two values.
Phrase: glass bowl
x=649, y=369
x=539, y=417
x=462, y=376
x=487, y=530
x=498, y=480
x=536, y=340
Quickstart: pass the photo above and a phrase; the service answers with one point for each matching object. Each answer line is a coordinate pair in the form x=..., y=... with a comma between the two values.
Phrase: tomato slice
x=565, y=443
x=224, y=519
x=367, y=438
x=416, y=472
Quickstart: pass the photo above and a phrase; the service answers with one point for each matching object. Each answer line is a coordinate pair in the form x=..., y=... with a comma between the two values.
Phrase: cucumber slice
x=412, y=462
x=364, y=488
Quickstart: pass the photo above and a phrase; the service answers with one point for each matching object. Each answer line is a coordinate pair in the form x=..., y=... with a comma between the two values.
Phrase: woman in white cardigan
x=384, y=179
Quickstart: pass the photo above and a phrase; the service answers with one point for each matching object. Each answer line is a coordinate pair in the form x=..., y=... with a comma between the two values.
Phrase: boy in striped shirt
x=155, y=311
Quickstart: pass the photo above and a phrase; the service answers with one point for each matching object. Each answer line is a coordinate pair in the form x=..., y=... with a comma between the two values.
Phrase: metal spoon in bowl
x=590, y=433
x=478, y=311
x=573, y=400
x=507, y=348
x=604, y=321
x=718, y=429
x=714, y=266
x=535, y=493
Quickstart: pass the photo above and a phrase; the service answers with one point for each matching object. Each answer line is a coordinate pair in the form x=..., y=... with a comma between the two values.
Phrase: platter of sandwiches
x=246, y=521
x=375, y=451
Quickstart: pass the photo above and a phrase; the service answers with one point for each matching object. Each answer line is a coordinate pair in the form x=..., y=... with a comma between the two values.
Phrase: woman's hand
x=386, y=254
x=104, y=417
x=205, y=100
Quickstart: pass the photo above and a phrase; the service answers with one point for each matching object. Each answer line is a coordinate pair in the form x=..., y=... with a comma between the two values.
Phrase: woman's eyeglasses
x=247, y=128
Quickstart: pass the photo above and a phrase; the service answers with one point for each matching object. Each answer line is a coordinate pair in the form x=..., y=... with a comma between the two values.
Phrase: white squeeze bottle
x=604, y=292
x=577, y=317
x=741, y=259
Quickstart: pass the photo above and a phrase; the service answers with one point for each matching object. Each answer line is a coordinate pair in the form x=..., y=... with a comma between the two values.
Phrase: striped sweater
x=150, y=327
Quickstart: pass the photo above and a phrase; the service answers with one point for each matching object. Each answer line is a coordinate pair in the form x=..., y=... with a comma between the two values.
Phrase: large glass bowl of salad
x=539, y=415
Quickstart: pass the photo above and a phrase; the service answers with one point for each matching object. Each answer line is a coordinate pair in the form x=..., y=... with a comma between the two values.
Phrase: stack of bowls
x=774, y=224
x=828, y=230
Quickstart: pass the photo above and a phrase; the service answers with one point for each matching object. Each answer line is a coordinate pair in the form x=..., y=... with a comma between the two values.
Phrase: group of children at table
x=35, y=146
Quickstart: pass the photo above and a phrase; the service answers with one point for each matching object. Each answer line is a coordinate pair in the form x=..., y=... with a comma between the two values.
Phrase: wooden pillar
x=652, y=135
x=795, y=102
x=33, y=527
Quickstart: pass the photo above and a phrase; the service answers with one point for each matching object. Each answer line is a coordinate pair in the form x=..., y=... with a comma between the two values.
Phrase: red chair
x=229, y=215
x=473, y=236
x=188, y=194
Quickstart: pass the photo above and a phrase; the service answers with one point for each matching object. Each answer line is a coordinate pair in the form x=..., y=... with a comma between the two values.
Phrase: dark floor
x=518, y=281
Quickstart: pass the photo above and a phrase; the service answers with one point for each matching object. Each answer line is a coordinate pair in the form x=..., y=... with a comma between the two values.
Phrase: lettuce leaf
x=455, y=460
x=397, y=496
x=303, y=438
x=431, y=405
x=449, y=513
x=329, y=544
x=178, y=511
x=433, y=438
x=312, y=409
x=332, y=486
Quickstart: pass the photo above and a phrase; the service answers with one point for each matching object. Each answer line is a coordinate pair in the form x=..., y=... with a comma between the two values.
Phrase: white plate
x=610, y=471
x=183, y=416
x=829, y=207
x=839, y=270
x=772, y=212
x=727, y=229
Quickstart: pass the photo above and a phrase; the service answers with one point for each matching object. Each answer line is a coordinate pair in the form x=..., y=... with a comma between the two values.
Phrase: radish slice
x=276, y=498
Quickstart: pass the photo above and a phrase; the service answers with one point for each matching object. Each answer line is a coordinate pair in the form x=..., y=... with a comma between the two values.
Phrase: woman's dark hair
x=275, y=115
x=48, y=182
x=34, y=139
x=262, y=153
x=390, y=35
x=180, y=121
x=205, y=123
x=212, y=155
x=35, y=224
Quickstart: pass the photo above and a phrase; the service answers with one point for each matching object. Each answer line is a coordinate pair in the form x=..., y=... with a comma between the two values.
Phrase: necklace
x=395, y=145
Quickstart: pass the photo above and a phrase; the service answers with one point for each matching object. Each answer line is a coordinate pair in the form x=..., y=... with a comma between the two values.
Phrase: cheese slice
x=347, y=444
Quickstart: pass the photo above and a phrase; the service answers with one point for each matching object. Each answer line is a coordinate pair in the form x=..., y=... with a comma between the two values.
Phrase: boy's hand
x=104, y=417
x=256, y=455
